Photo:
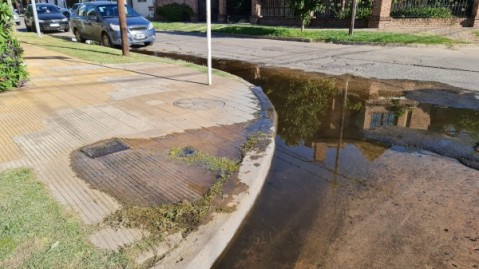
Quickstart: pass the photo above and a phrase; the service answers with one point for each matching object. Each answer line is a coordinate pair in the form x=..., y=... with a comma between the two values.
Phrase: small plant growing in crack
x=257, y=141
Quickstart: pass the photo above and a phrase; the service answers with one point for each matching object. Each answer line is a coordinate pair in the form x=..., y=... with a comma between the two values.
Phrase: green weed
x=185, y=216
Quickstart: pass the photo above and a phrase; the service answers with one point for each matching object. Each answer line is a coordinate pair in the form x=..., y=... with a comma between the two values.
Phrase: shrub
x=12, y=70
x=175, y=12
x=364, y=10
x=362, y=13
x=422, y=12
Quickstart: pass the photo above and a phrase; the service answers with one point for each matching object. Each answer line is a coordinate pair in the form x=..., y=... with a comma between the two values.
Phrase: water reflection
x=333, y=138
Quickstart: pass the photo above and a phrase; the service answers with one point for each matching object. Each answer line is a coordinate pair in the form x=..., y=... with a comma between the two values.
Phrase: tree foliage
x=300, y=111
x=12, y=69
x=303, y=9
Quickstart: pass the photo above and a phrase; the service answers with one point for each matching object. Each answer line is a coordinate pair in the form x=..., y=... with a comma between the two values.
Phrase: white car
x=16, y=17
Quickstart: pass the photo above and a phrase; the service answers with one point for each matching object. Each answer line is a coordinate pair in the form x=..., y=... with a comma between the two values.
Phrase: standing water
x=342, y=143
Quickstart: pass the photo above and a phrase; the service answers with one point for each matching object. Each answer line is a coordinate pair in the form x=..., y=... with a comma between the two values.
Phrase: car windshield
x=47, y=9
x=111, y=11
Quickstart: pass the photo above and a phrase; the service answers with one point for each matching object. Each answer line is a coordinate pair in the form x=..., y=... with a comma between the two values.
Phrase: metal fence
x=276, y=8
x=431, y=8
x=340, y=9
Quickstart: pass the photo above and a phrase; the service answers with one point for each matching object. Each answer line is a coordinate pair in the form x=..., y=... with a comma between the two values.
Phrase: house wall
x=142, y=7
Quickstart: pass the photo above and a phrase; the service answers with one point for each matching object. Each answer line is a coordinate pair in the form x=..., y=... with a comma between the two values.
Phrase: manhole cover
x=104, y=148
x=199, y=103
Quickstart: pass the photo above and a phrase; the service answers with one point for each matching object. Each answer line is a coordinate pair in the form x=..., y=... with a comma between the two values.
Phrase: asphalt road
x=456, y=66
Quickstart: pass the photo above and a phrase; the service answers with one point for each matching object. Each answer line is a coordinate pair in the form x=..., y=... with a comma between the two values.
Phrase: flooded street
x=366, y=174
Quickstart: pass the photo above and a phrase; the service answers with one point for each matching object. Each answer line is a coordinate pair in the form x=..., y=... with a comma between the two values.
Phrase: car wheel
x=29, y=29
x=105, y=40
x=78, y=37
x=67, y=29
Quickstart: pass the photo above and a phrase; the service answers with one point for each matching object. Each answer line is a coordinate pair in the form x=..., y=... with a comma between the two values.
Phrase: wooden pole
x=208, y=37
x=123, y=29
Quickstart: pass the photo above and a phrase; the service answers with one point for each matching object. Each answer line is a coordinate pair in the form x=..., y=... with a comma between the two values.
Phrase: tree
x=303, y=9
x=12, y=69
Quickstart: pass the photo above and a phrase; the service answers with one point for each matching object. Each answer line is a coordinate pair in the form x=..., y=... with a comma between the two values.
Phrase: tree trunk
x=302, y=26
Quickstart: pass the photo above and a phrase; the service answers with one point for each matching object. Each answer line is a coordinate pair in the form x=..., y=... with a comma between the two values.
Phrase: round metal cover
x=199, y=103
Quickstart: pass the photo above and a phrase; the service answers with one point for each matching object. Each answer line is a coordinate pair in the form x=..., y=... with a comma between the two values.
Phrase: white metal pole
x=35, y=18
x=208, y=36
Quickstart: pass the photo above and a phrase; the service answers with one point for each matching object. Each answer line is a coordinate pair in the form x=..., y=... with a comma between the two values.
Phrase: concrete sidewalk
x=69, y=104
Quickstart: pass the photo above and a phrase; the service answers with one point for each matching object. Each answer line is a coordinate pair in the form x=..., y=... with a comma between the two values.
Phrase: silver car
x=16, y=17
x=99, y=21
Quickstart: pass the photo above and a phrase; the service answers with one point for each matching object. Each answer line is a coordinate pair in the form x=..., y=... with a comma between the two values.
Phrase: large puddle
x=336, y=134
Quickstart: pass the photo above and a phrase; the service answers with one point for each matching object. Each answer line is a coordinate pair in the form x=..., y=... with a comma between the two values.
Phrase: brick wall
x=325, y=23
x=425, y=22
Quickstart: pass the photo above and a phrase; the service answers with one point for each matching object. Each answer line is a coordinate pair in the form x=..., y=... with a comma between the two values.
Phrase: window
x=82, y=11
x=381, y=119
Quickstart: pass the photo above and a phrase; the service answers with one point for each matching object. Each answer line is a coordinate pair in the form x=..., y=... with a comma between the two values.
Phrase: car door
x=78, y=21
x=94, y=24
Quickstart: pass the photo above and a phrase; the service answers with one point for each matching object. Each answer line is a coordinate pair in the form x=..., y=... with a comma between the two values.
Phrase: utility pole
x=35, y=18
x=123, y=29
x=353, y=17
x=208, y=37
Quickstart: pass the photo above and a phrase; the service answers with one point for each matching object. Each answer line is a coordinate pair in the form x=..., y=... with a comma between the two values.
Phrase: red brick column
x=381, y=14
x=255, y=11
x=475, y=14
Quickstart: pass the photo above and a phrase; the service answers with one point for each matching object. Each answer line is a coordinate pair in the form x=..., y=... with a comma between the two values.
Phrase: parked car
x=99, y=21
x=49, y=18
x=65, y=11
x=74, y=8
x=16, y=17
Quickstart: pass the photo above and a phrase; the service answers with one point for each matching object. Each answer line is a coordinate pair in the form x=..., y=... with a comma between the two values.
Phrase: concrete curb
x=201, y=248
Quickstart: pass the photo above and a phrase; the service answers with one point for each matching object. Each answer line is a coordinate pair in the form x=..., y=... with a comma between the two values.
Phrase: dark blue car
x=99, y=21
x=49, y=18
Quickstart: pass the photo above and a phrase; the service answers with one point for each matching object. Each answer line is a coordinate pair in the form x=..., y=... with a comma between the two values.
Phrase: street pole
x=208, y=37
x=123, y=29
x=353, y=18
x=35, y=18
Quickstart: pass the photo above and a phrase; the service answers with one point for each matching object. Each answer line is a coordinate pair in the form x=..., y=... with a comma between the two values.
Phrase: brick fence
x=381, y=18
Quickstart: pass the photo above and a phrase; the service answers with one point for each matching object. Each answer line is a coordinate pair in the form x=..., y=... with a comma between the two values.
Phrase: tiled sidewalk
x=68, y=104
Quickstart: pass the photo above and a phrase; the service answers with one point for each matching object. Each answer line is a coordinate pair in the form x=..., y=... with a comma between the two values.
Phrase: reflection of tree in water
x=454, y=121
x=300, y=106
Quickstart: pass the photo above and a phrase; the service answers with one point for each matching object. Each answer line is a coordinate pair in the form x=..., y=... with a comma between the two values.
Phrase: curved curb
x=201, y=248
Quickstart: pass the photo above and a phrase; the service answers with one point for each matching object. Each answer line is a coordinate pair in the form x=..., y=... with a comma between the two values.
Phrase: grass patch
x=339, y=35
x=102, y=55
x=36, y=233
x=185, y=216
x=476, y=33
x=318, y=35
x=185, y=26
x=91, y=53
